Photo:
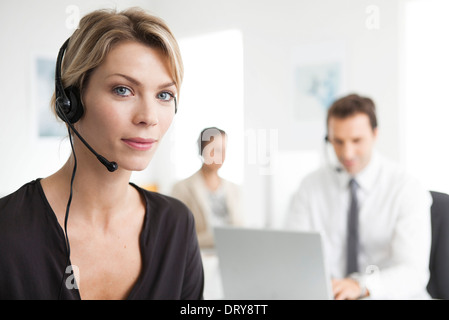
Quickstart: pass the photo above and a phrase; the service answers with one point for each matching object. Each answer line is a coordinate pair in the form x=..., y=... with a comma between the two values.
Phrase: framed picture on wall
x=317, y=86
x=318, y=79
x=45, y=122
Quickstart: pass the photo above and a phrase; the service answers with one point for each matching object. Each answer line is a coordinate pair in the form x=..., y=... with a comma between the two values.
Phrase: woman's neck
x=211, y=178
x=98, y=195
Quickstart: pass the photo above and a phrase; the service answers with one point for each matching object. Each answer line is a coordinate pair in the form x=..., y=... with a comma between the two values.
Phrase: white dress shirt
x=394, y=225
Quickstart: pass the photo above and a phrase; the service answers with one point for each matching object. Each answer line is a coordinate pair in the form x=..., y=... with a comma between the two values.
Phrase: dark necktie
x=353, y=230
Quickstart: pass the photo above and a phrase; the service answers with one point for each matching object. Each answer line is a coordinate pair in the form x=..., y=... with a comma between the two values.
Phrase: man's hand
x=346, y=289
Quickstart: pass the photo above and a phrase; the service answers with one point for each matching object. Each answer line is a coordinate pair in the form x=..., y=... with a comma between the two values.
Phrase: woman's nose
x=146, y=113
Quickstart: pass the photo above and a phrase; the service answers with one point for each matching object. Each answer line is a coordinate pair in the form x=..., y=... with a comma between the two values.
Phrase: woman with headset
x=214, y=201
x=117, y=79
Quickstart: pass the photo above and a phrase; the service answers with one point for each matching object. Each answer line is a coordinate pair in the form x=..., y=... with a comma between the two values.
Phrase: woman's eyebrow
x=166, y=85
x=138, y=83
x=130, y=79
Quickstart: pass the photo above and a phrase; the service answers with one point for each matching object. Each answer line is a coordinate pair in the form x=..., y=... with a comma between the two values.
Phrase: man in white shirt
x=377, y=233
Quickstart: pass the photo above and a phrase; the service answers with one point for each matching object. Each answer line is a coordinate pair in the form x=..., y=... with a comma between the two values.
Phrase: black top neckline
x=61, y=232
x=33, y=253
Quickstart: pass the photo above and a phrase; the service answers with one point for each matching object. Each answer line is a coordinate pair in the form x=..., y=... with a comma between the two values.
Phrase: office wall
x=272, y=33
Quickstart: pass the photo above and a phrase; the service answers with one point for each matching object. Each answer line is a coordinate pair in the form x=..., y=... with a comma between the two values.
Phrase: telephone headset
x=337, y=168
x=70, y=109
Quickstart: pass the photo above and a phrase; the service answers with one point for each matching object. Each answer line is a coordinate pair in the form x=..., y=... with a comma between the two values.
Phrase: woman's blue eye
x=122, y=91
x=165, y=96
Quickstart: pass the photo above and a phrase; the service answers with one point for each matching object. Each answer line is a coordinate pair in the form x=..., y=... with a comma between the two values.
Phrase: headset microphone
x=70, y=108
x=337, y=168
x=111, y=166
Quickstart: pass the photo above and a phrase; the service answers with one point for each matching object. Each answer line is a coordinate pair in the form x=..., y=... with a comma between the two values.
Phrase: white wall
x=272, y=31
x=425, y=92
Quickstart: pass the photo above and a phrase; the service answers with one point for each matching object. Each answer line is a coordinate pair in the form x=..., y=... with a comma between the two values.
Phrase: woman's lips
x=140, y=143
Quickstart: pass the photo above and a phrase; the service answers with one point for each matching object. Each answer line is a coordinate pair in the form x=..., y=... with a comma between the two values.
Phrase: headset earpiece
x=70, y=105
x=76, y=110
x=62, y=104
x=68, y=100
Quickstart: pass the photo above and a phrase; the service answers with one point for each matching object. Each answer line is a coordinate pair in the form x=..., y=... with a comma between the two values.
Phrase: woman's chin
x=136, y=165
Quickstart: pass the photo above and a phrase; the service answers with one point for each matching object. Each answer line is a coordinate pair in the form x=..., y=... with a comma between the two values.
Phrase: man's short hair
x=351, y=105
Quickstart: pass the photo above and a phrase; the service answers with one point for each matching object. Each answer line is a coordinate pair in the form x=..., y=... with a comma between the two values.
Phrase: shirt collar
x=365, y=178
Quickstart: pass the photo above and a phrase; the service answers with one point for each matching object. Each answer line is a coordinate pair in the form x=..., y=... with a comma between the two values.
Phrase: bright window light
x=426, y=104
x=211, y=96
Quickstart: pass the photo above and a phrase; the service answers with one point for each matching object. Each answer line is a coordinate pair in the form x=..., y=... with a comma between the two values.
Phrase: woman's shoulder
x=20, y=197
x=23, y=211
x=168, y=202
x=168, y=218
x=188, y=182
x=230, y=184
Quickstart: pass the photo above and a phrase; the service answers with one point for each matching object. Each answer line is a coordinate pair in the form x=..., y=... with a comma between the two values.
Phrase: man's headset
x=337, y=168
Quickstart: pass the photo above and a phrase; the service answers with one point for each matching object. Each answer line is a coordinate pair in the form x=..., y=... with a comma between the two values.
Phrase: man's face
x=353, y=141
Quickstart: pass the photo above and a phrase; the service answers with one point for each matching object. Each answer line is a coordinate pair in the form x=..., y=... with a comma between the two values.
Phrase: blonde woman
x=86, y=232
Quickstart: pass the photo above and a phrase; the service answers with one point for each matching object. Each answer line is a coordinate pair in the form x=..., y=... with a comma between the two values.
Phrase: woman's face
x=129, y=105
x=214, y=153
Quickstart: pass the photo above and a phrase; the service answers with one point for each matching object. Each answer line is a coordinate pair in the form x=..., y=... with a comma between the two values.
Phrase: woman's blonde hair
x=100, y=30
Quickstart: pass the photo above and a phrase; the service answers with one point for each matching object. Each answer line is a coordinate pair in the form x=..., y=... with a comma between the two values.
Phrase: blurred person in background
x=374, y=218
x=214, y=201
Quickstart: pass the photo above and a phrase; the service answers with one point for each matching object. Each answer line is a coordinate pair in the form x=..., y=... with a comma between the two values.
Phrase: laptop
x=264, y=264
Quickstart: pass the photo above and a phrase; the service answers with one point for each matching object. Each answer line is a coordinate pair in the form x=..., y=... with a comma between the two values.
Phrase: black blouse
x=33, y=254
